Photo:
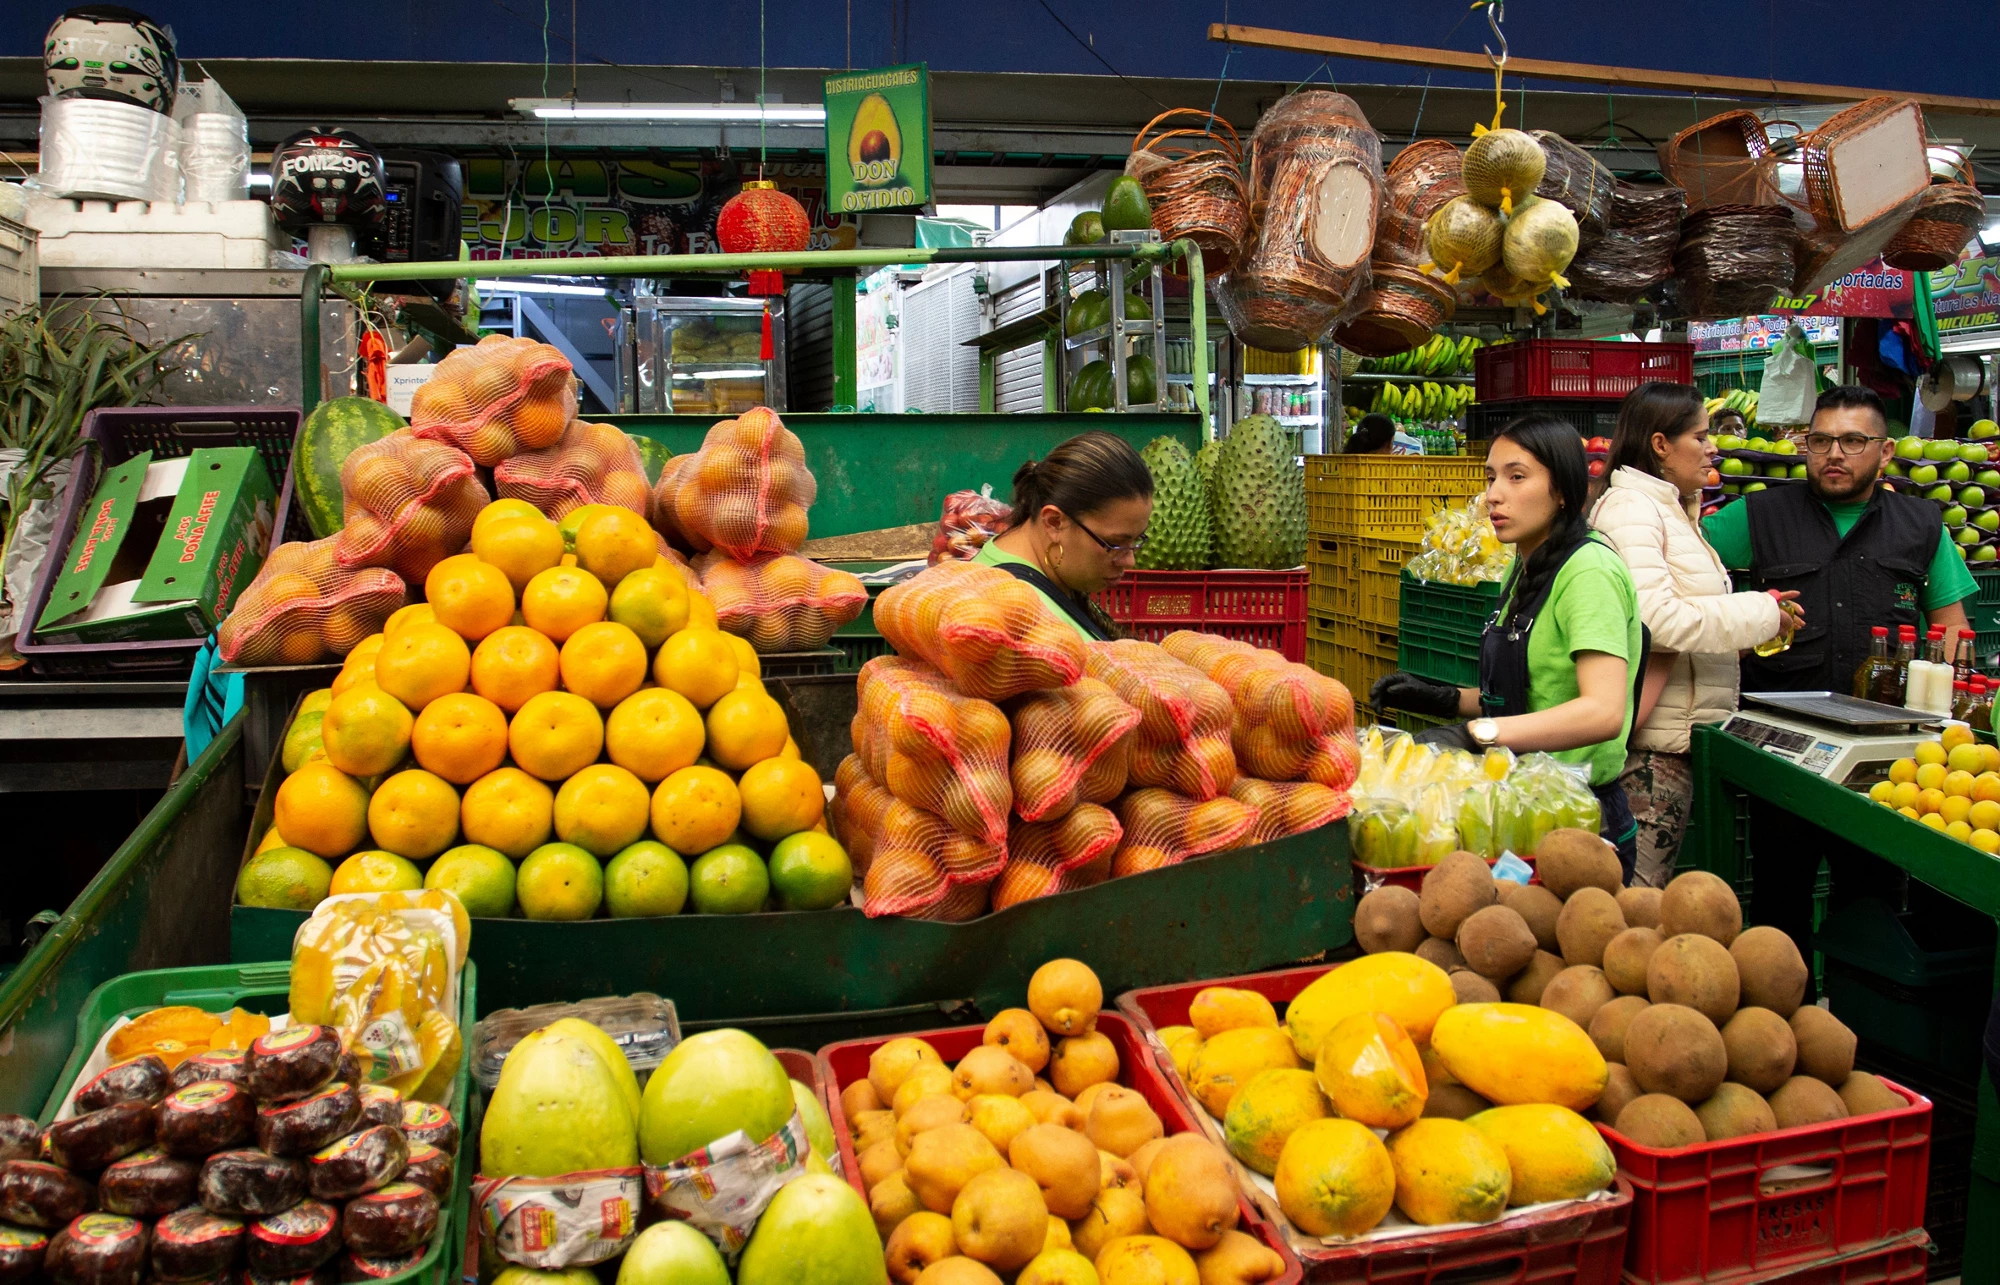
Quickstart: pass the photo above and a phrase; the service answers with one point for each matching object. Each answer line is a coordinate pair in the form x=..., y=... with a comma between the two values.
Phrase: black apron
x=1075, y=606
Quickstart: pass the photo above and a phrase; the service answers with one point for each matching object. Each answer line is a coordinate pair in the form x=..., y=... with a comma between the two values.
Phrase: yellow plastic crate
x=1356, y=579
x=1386, y=497
x=1352, y=651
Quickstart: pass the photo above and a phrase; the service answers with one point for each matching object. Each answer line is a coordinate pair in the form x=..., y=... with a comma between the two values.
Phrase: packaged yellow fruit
x=385, y=977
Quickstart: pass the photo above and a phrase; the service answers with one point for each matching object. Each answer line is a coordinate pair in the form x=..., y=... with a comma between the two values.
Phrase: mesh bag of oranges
x=932, y=747
x=496, y=399
x=304, y=605
x=1288, y=807
x=1042, y=854
x=1164, y=829
x=1291, y=723
x=410, y=503
x=1071, y=746
x=859, y=808
x=910, y=862
x=746, y=491
x=591, y=464
x=1182, y=740
x=779, y=601
x=988, y=632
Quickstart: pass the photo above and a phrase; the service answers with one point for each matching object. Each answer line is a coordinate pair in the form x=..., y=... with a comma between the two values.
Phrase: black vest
x=1875, y=576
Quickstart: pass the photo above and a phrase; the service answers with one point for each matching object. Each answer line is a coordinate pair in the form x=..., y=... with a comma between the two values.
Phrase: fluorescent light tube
x=671, y=113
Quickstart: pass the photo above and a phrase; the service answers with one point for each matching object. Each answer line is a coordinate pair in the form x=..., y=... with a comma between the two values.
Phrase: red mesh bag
x=1060, y=738
x=496, y=399
x=1042, y=854
x=860, y=806
x=990, y=633
x=1288, y=807
x=969, y=520
x=1164, y=829
x=934, y=748
x=666, y=517
x=780, y=601
x=1290, y=723
x=915, y=861
x=409, y=504
x=304, y=605
x=592, y=464
x=746, y=491
x=1182, y=740
x=963, y=903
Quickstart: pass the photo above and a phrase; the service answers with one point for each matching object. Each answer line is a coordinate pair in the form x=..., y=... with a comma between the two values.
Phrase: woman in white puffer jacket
x=1650, y=512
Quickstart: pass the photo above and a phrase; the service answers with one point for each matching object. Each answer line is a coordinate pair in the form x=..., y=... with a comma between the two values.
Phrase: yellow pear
x=931, y=1113
x=991, y=1069
x=918, y=1241
x=1117, y=1211
x=1239, y=1259
x=891, y=1064
x=1020, y=1033
x=943, y=1160
x=999, y=1219
x=891, y=1201
x=1063, y=1164
x=1000, y=1118
x=1191, y=1192
x=1145, y=1260
x=1120, y=1121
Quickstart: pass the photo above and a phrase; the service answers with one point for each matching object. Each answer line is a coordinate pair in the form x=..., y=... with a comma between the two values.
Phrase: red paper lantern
x=762, y=220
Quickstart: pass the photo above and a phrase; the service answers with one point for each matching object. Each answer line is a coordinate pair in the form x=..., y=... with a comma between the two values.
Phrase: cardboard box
x=164, y=548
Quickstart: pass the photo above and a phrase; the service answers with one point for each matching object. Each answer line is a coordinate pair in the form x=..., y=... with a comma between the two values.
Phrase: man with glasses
x=1857, y=554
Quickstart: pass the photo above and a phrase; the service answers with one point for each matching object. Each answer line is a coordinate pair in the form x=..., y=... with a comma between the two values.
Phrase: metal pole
x=846, y=362
x=309, y=372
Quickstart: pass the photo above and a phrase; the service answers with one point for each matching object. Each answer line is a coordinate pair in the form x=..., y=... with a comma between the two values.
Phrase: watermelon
x=329, y=434
x=653, y=455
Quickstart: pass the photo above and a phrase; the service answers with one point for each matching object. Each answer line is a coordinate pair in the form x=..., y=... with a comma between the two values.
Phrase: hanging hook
x=1496, y=13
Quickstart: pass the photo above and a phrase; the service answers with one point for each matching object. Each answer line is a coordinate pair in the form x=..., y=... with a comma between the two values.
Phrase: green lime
x=302, y=739
x=559, y=881
x=728, y=880
x=482, y=878
x=810, y=871
x=283, y=879
x=648, y=878
x=316, y=702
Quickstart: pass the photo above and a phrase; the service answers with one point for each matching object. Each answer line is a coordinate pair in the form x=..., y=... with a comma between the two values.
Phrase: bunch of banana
x=1741, y=400
x=1428, y=402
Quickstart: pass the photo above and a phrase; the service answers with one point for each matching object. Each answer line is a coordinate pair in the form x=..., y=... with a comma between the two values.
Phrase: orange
x=470, y=597
x=1930, y=802
x=1964, y=756
x=746, y=656
x=365, y=730
x=512, y=664
x=602, y=809
x=1953, y=737
x=1956, y=808
x=1902, y=770
x=1930, y=776
x=1986, y=841
x=417, y=613
x=325, y=811
x=701, y=612
x=1929, y=752
x=656, y=732
x=1986, y=787
x=1958, y=830
x=791, y=750
x=363, y=650
x=500, y=510
x=780, y=797
x=562, y=600
x=414, y=814
x=1989, y=757
x=614, y=542
x=461, y=737
x=1984, y=815
x=696, y=809
x=652, y=603
x=570, y=522
x=699, y=664
x=353, y=672
x=1933, y=820
x=421, y=663
x=604, y=663
x=746, y=727
x=559, y=881
x=1904, y=795
x=508, y=810
x=375, y=871
x=555, y=735
x=521, y=547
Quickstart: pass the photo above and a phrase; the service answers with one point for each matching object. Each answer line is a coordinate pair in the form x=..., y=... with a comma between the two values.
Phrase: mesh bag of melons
x=1290, y=723
x=933, y=747
x=746, y=491
x=1070, y=747
x=496, y=399
x=304, y=606
x=1164, y=829
x=1041, y=854
x=592, y=464
x=1182, y=740
x=991, y=634
x=779, y=601
x=1288, y=807
x=409, y=503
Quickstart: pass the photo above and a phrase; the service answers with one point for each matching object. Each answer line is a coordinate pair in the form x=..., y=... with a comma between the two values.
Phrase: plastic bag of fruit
x=1288, y=807
x=933, y=747
x=988, y=632
x=496, y=399
x=1164, y=829
x=1042, y=854
x=1289, y=722
x=746, y=491
x=304, y=606
x=969, y=520
x=780, y=601
x=410, y=503
x=592, y=464
x=1182, y=740
x=1071, y=746
x=1383, y=831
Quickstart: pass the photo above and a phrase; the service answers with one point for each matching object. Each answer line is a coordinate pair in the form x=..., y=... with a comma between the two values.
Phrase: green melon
x=329, y=434
x=653, y=455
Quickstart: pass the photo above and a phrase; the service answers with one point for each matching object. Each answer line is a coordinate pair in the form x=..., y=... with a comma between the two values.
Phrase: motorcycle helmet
x=327, y=176
x=109, y=51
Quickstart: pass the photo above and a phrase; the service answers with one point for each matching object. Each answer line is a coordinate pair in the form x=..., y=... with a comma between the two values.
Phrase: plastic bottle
x=1896, y=681
x=1927, y=682
x=1961, y=701
x=1866, y=673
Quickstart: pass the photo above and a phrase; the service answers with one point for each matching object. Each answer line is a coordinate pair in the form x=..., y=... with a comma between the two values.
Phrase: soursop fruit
x=1180, y=533
x=1257, y=500
x=1204, y=463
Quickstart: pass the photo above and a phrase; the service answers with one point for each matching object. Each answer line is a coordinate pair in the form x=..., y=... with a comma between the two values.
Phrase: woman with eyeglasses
x=1079, y=518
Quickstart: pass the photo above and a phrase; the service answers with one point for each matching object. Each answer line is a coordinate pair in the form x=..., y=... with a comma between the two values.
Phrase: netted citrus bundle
x=304, y=606
x=1070, y=747
x=911, y=862
x=988, y=632
x=409, y=504
x=746, y=491
x=1288, y=807
x=497, y=398
x=1041, y=855
x=1164, y=829
x=779, y=601
x=969, y=520
x=591, y=464
x=934, y=747
x=1290, y=723
x=1182, y=740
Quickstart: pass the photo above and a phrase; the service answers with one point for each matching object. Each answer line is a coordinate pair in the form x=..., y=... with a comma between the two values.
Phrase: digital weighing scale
x=1839, y=738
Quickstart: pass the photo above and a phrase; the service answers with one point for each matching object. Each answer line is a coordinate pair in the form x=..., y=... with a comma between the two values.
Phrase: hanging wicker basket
x=1194, y=179
x=1947, y=216
x=1403, y=309
x=1422, y=177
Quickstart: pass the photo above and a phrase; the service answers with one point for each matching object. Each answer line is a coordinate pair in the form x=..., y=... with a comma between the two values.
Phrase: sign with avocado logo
x=878, y=140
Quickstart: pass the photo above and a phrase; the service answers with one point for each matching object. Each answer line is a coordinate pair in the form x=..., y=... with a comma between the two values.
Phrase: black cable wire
x=1089, y=49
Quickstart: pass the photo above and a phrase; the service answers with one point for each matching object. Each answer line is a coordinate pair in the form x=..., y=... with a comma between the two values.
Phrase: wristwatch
x=1484, y=732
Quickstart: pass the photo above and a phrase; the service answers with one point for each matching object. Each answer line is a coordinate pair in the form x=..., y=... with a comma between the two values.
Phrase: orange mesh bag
x=919, y=860
x=779, y=601
x=1164, y=829
x=934, y=748
x=1040, y=854
x=409, y=504
x=304, y=605
x=1182, y=740
x=592, y=464
x=1060, y=736
x=666, y=518
x=747, y=489
x=990, y=633
x=496, y=399
x=1290, y=723
x=1288, y=807
x=964, y=903
x=860, y=806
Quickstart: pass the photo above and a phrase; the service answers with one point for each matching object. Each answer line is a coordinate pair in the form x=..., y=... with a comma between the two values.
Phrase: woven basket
x=1724, y=160
x=1402, y=309
x=1423, y=176
x=1733, y=259
x=1194, y=179
x=1864, y=171
x=1573, y=178
x=1947, y=216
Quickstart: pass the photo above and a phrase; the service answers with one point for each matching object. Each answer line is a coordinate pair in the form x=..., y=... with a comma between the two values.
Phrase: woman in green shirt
x=1080, y=515
x=1557, y=662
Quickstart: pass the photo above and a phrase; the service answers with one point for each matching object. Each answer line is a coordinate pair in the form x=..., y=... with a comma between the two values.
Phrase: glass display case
x=701, y=356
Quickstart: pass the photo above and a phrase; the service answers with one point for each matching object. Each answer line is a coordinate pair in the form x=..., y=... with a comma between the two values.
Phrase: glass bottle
x=1962, y=656
x=1961, y=701
x=1866, y=672
x=1895, y=679
x=1981, y=717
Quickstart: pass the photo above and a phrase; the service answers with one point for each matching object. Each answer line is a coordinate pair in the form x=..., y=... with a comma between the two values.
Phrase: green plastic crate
x=1984, y=608
x=1456, y=609
x=1440, y=656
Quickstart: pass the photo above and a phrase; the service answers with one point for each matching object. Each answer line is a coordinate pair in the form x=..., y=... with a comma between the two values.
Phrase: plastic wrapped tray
x=643, y=1025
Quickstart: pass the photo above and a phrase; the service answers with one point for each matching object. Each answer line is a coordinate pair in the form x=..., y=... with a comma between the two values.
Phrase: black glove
x=1402, y=690
x=1452, y=736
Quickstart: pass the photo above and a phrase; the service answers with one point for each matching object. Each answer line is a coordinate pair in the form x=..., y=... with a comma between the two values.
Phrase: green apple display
x=1909, y=448
x=1924, y=474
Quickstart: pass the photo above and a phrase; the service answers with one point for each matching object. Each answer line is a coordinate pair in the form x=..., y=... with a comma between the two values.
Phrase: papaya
x=1371, y=1072
x=1413, y=991
x=1335, y=1178
x=1552, y=1152
x=1227, y=1063
x=1514, y=1054
x=1449, y=1172
x=1266, y=1112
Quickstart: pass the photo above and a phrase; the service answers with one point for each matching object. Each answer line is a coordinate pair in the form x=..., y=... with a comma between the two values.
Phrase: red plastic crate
x=1262, y=608
x=1905, y=1260
x=1577, y=368
x=842, y=1064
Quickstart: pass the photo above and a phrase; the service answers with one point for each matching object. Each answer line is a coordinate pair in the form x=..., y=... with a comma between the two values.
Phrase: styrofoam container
x=20, y=282
x=136, y=234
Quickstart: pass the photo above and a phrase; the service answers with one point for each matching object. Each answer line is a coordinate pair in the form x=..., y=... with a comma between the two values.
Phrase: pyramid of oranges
x=559, y=731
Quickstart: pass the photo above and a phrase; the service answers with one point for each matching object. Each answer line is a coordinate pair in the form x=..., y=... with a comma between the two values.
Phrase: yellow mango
x=1512, y=1054
x=1449, y=1172
x=1227, y=1062
x=1226, y=1008
x=1554, y=1153
x=1411, y=990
